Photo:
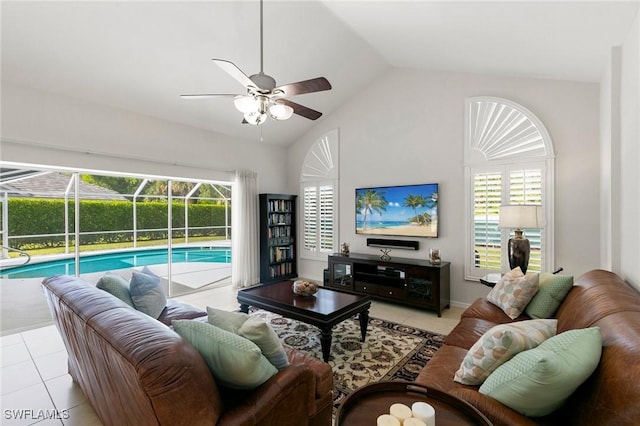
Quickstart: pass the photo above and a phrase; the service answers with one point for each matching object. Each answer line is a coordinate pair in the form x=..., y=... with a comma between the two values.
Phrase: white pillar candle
x=424, y=412
x=413, y=421
x=387, y=420
x=400, y=411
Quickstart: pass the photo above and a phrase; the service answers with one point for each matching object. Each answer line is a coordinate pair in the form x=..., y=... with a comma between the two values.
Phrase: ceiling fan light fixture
x=280, y=111
x=262, y=97
x=246, y=104
x=255, y=118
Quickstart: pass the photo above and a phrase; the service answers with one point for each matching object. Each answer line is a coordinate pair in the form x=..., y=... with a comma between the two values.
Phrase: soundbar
x=401, y=244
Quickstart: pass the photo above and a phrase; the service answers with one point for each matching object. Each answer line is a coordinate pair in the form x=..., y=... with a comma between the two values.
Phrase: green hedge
x=34, y=216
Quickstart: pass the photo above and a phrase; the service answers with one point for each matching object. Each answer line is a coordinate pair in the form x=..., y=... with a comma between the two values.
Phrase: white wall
x=408, y=127
x=610, y=162
x=620, y=157
x=48, y=129
x=629, y=242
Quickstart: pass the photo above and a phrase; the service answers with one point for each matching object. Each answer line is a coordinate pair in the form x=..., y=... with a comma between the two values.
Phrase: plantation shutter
x=319, y=187
x=310, y=218
x=525, y=187
x=319, y=218
x=487, y=197
x=325, y=218
x=521, y=187
x=509, y=159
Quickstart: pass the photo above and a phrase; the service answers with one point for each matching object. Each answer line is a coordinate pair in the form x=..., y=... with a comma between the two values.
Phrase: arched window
x=319, y=189
x=508, y=160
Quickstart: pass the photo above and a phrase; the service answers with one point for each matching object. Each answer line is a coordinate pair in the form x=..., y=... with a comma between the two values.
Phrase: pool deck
x=24, y=307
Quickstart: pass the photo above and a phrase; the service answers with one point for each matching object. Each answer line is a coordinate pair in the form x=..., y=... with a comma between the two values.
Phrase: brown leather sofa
x=611, y=395
x=135, y=370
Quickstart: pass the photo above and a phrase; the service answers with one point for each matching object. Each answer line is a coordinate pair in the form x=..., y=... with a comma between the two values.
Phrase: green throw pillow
x=254, y=329
x=234, y=361
x=538, y=381
x=226, y=320
x=551, y=292
x=117, y=286
x=147, y=293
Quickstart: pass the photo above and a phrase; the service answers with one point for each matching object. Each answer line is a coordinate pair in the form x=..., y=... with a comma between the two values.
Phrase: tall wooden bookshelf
x=277, y=237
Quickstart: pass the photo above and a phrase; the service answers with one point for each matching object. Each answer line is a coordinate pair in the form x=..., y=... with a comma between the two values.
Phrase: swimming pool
x=118, y=260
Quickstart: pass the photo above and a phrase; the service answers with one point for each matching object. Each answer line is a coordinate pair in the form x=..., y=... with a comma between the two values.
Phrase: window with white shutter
x=310, y=225
x=318, y=184
x=508, y=156
x=326, y=218
x=487, y=197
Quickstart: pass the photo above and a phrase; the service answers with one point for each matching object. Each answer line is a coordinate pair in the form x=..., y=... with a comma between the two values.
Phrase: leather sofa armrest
x=498, y=413
x=321, y=370
x=286, y=398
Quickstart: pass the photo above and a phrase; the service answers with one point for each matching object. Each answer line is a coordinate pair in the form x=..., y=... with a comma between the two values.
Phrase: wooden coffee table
x=323, y=310
x=364, y=405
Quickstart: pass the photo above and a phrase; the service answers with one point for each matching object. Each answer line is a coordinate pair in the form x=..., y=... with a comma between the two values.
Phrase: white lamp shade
x=280, y=111
x=255, y=118
x=246, y=104
x=521, y=216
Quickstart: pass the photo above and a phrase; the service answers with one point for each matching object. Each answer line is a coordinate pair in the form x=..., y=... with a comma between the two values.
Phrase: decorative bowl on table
x=304, y=288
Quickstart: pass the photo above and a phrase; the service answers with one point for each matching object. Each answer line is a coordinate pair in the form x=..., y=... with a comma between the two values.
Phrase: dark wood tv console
x=413, y=282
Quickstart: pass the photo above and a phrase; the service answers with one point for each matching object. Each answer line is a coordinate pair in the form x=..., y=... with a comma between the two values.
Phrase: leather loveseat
x=610, y=396
x=135, y=370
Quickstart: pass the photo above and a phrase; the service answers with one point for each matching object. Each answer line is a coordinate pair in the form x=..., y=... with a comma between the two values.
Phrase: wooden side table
x=363, y=406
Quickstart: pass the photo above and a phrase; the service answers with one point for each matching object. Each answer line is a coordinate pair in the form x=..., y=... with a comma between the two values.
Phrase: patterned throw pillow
x=538, y=381
x=499, y=344
x=514, y=291
x=552, y=291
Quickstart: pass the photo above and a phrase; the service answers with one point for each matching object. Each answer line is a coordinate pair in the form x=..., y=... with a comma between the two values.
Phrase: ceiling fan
x=263, y=97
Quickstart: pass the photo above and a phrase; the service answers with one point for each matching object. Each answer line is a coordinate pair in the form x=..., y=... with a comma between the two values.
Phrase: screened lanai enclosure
x=87, y=224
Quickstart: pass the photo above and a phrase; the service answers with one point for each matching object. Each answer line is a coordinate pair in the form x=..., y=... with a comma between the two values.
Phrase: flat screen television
x=406, y=210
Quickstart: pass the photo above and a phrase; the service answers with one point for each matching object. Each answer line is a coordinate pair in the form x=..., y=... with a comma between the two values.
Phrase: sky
x=396, y=195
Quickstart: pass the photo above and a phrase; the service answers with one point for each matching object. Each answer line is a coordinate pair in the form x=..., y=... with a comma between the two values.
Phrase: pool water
x=118, y=260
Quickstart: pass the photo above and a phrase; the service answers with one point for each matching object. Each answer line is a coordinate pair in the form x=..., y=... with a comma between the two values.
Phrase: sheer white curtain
x=244, y=230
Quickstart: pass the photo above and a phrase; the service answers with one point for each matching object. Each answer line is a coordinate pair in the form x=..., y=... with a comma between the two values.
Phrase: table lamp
x=520, y=217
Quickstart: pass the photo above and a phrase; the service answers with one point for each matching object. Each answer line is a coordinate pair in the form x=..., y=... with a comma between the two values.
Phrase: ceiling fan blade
x=302, y=110
x=208, y=95
x=234, y=72
x=308, y=86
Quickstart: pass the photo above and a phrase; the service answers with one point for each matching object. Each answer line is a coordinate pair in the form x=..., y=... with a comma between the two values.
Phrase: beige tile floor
x=36, y=388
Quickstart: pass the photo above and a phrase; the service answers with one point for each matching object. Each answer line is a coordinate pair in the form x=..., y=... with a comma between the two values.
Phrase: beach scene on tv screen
x=408, y=210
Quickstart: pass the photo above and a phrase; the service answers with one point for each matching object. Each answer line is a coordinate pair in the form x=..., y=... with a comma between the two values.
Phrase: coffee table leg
x=325, y=343
x=364, y=321
x=244, y=308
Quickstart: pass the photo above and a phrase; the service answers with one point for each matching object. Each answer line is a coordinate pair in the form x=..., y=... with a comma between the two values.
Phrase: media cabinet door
x=340, y=273
x=423, y=285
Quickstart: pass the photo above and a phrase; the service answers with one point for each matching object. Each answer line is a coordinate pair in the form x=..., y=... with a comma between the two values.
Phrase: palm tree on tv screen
x=370, y=201
x=415, y=201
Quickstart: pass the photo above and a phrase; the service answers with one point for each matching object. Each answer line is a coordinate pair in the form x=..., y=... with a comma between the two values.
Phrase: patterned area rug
x=391, y=351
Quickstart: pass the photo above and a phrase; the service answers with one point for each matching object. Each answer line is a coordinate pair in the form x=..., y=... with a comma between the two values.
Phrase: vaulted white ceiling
x=140, y=56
